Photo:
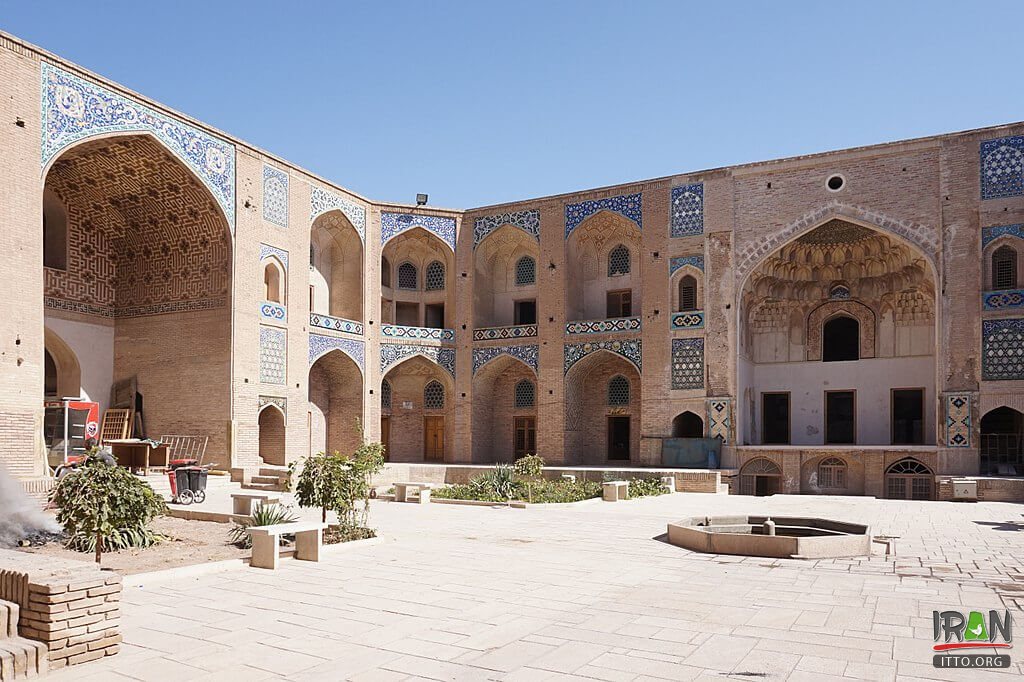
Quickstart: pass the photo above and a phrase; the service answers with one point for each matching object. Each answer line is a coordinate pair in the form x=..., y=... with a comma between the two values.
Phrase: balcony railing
x=273, y=312
x=399, y=331
x=519, y=331
x=615, y=324
x=1003, y=300
x=338, y=324
x=688, y=319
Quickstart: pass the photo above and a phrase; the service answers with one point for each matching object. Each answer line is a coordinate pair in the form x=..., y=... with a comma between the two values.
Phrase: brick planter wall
x=72, y=607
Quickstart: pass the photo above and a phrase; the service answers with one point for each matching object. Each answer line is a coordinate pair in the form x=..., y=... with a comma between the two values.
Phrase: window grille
x=1004, y=269
x=407, y=276
x=524, y=393
x=385, y=394
x=618, y=391
x=618, y=261
x=435, y=276
x=433, y=396
x=687, y=293
x=526, y=271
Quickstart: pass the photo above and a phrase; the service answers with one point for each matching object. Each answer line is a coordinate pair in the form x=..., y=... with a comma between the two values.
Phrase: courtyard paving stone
x=588, y=592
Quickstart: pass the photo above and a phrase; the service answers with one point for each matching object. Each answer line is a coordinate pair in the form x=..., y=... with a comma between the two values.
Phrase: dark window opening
x=687, y=293
x=775, y=415
x=434, y=314
x=620, y=303
x=385, y=272
x=1002, y=442
x=1004, y=269
x=407, y=314
x=687, y=425
x=525, y=312
x=908, y=416
x=50, y=377
x=840, y=340
x=840, y=418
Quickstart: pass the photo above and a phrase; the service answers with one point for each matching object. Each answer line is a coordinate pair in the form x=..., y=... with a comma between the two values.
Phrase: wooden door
x=525, y=436
x=433, y=439
x=385, y=436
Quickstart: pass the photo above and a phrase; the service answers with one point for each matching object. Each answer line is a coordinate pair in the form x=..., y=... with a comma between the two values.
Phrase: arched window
x=50, y=376
x=272, y=289
x=385, y=272
x=385, y=394
x=55, y=232
x=618, y=261
x=839, y=292
x=908, y=479
x=1004, y=269
x=618, y=391
x=433, y=396
x=840, y=339
x=435, y=276
x=832, y=473
x=526, y=271
x=408, y=278
x=687, y=293
x=525, y=393
x=687, y=425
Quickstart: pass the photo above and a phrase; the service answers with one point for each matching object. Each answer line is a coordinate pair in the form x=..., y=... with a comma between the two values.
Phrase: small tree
x=363, y=464
x=529, y=468
x=322, y=482
x=104, y=507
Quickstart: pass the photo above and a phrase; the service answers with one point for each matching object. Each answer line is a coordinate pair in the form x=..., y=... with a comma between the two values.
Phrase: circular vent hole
x=835, y=183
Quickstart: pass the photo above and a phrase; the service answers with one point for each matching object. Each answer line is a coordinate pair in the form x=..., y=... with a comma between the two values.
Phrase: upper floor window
x=385, y=394
x=620, y=303
x=272, y=283
x=385, y=272
x=618, y=391
x=840, y=339
x=524, y=393
x=435, y=276
x=618, y=261
x=687, y=293
x=408, y=277
x=526, y=271
x=1004, y=268
x=433, y=396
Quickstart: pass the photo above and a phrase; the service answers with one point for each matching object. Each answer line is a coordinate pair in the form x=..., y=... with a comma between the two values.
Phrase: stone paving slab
x=593, y=593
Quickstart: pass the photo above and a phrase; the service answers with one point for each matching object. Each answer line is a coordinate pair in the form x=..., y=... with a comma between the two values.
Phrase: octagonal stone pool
x=779, y=537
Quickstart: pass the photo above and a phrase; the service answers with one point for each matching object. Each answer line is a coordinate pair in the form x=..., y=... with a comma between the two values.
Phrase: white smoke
x=20, y=515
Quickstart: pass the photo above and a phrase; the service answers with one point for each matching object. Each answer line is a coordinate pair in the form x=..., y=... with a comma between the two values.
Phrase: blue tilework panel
x=1003, y=300
x=682, y=261
x=266, y=250
x=1002, y=349
x=687, y=363
x=528, y=354
x=274, y=313
x=275, y=196
x=720, y=419
x=321, y=201
x=958, y=420
x=320, y=345
x=628, y=205
x=631, y=349
x=1002, y=167
x=501, y=333
x=527, y=221
x=393, y=353
x=687, y=210
x=273, y=354
x=990, y=234
x=393, y=224
x=74, y=109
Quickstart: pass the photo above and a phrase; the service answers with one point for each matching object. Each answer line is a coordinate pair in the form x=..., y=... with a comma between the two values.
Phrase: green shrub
x=483, y=488
x=646, y=487
x=104, y=507
x=339, y=483
x=529, y=466
x=262, y=515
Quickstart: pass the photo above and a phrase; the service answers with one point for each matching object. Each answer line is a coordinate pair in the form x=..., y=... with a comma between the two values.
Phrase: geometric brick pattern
x=687, y=363
x=74, y=109
x=628, y=205
x=719, y=418
x=631, y=349
x=958, y=420
x=527, y=221
x=321, y=201
x=1002, y=167
x=687, y=210
x=143, y=234
x=273, y=355
x=528, y=354
x=275, y=196
x=393, y=224
x=1002, y=344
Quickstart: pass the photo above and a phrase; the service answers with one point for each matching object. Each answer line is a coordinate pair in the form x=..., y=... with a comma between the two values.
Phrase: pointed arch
x=68, y=369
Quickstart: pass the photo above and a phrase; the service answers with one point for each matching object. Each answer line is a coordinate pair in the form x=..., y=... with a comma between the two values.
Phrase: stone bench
x=309, y=538
x=613, y=491
x=402, y=491
x=241, y=503
x=669, y=482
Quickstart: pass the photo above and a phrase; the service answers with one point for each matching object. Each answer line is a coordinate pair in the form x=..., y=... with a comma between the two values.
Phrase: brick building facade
x=848, y=322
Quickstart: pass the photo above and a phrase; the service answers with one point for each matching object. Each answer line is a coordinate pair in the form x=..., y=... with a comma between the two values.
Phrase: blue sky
x=485, y=102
